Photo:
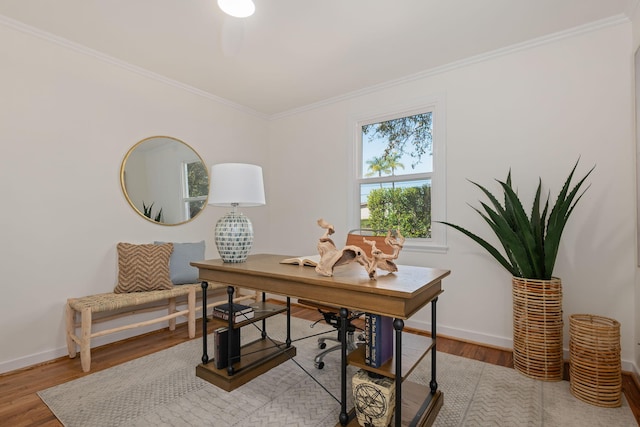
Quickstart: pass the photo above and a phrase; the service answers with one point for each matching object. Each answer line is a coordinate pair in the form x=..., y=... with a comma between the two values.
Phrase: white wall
x=634, y=13
x=535, y=110
x=66, y=121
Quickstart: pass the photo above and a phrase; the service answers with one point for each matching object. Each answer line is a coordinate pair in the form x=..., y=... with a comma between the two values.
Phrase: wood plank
x=414, y=348
x=419, y=406
x=262, y=310
x=418, y=401
x=400, y=294
x=21, y=407
x=256, y=358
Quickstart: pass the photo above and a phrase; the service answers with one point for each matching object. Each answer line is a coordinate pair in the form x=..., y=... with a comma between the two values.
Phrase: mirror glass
x=165, y=180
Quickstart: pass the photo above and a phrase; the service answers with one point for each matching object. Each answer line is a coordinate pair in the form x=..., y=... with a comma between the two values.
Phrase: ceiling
x=295, y=53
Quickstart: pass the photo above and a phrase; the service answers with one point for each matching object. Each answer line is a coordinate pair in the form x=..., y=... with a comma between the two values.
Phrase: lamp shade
x=236, y=184
x=237, y=8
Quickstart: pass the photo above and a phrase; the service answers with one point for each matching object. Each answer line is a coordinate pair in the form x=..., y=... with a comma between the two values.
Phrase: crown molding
x=529, y=44
x=572, y=32
x=68, y=44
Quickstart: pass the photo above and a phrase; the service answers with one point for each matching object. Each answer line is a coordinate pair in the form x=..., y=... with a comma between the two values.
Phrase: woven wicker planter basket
x=537, y=328
x=595, y=372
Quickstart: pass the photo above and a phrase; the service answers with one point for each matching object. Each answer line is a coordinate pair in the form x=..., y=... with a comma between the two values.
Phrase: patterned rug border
x=135, y=393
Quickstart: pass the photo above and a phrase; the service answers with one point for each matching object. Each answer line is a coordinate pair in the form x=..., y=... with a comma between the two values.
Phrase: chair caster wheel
x=319, y=365
x=322, y=345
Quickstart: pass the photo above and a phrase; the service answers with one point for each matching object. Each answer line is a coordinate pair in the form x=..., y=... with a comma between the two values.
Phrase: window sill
x=425, y=247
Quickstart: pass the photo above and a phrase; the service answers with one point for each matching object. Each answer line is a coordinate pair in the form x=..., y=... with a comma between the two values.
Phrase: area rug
x=162, y=390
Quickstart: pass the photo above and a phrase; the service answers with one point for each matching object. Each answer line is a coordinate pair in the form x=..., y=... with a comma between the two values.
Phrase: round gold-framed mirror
x=165, y=180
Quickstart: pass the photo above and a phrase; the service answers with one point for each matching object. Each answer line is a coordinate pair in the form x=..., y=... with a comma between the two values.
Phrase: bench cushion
x=112, y=301
x=143, y=267
x=180, y=268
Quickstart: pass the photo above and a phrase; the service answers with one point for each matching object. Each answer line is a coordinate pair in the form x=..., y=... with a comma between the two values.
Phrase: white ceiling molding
x=286, y=59
x=529, y=44
x=52, y=38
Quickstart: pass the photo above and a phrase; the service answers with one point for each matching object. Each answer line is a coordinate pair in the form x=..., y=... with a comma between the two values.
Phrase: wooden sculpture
x=331, y=256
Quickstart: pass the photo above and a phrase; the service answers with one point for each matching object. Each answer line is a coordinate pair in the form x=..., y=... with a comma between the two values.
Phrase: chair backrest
x=354, y=237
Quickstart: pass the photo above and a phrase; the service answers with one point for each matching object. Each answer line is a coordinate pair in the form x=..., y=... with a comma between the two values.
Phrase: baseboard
x=32, y=360
x=463, y=334
x=50, y=355
x=143, y=312
x=627, y=366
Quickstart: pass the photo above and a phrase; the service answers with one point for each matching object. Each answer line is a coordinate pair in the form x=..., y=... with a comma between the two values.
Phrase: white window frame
x=185, y=190
x=436, y=105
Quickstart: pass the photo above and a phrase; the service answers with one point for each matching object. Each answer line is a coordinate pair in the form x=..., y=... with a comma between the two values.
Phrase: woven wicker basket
x=595, y=372
x=537, y=328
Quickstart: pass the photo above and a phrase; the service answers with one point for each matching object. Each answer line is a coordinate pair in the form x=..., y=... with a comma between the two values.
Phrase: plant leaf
x=558, y=217
x=531, y=259
x=486, y=245
x=530, y=243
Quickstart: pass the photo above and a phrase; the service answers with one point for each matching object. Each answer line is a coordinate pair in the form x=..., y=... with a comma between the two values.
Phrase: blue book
x=379, y=334
x=367, y=339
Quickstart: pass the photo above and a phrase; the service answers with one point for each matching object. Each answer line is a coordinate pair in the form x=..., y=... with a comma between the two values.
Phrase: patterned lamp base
x=234, y=237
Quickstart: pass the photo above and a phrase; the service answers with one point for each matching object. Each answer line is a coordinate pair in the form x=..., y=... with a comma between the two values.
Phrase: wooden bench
x=80, y=312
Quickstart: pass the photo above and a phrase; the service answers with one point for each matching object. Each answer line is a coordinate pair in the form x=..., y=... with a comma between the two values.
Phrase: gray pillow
x=183, y=253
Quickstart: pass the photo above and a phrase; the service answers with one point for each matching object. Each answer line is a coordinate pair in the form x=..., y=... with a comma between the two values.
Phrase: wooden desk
x=398, y=295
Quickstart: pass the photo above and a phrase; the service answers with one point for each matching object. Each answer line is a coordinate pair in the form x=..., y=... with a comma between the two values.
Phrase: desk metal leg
x=398, y=325
x=288, y=342
x=344, y=417
x=433, y=384
x=205, y=356
x=230, y=369
x=264, y=321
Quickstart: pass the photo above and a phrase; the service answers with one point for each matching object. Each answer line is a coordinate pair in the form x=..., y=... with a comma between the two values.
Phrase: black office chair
x=332, y=317
x=331, y=314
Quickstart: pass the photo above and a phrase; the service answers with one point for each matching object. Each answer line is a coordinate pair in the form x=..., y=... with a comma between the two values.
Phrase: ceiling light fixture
x=237, y=8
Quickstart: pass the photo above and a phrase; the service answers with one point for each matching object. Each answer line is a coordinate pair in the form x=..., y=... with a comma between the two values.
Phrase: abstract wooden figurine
x=331, y=257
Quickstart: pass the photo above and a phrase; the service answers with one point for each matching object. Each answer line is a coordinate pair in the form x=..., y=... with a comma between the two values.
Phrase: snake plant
x=147, y=211
x=530, y=243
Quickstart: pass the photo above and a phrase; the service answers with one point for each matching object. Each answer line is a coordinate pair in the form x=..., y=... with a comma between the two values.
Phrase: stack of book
x=240, y=312
x=221, y=344
x=378, y=336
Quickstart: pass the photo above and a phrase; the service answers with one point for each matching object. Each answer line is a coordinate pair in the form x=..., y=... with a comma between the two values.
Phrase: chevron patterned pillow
x=143, y=267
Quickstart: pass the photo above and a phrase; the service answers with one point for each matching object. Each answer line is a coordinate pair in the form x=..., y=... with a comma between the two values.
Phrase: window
x=400, y=174
x=195, y=188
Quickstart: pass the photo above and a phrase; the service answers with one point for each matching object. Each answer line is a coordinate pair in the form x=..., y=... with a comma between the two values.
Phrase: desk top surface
x=410, y=287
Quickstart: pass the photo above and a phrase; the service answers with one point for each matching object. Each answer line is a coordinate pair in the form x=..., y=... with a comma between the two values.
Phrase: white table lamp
x=235, y=184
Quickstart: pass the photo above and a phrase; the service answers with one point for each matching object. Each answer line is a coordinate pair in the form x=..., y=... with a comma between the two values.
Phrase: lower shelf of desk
x=414, y=348
x=419, y=407
x=256, y=358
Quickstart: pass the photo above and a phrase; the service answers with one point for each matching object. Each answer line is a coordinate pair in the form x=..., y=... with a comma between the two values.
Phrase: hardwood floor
x=20, y=406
